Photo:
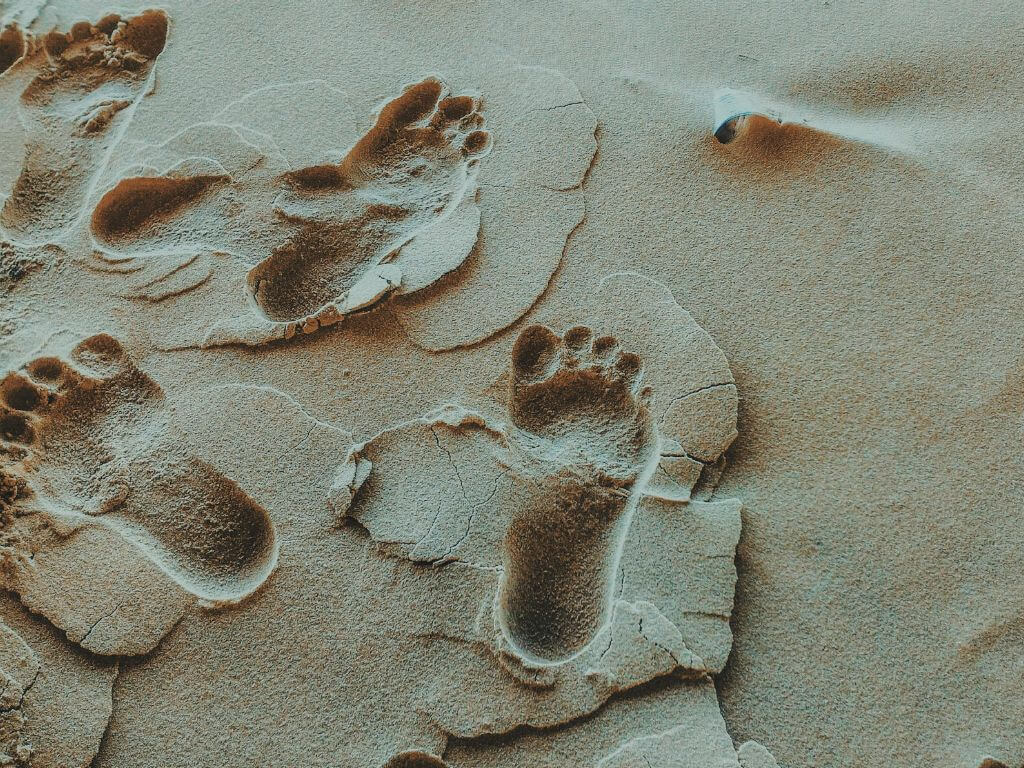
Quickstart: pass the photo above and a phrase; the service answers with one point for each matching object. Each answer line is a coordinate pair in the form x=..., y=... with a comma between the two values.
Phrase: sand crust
x=509, y=385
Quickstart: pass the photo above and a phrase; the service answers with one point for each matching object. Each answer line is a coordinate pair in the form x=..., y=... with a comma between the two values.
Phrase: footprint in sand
x=353, y=217
x=341, y=226
x=88, y=439
x=74, y=111
x=548, y=499
x=127, y=210
x=589, y=442
x=565, y=527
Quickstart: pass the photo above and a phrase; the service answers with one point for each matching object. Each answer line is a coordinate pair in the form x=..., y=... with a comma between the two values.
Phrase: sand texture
x=586, y=385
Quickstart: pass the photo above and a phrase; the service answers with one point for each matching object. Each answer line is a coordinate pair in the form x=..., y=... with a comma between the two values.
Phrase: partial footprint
x=137, y=202
x=209, y=187
x=89, y=439
x=415, y=759
x=414, y=166
x=74, y=111
x=55, y=700
x=19, y=669
x=590, y=443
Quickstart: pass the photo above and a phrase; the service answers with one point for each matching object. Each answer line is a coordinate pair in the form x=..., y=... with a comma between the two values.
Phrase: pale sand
x=423, y=385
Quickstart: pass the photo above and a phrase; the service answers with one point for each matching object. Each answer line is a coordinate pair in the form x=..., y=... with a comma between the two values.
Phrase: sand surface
x=511, y=384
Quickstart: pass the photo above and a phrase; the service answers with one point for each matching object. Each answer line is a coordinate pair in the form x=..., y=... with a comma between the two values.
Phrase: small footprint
x=412, y=167
x=73, y=111
x=90, y=438
x=589, y=442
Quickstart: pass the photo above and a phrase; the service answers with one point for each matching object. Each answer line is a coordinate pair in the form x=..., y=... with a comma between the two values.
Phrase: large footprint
x=338, y=228
x=74, y=111
x=413, y=166
x=590, y=443
x=581, y=567
x=89, y=439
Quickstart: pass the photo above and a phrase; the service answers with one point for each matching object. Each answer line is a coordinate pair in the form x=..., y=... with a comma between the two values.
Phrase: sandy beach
x=483, y=385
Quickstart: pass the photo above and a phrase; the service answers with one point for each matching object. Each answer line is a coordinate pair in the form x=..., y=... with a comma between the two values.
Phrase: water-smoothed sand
x=507, y=384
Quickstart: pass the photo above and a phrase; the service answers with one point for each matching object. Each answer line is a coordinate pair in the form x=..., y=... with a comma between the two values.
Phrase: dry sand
x=470, y=385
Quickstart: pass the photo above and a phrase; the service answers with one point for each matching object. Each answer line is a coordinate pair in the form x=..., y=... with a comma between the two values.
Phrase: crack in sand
x=698, y=390
x=560, y=106
x=24, y=693
x=451, y=461
x=97, y=622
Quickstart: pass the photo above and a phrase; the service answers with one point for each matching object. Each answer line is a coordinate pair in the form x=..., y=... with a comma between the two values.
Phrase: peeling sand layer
x=418, y=386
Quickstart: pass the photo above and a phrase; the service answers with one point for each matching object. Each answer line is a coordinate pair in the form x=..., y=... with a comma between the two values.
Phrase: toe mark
x=22, y=395
x=578, y=337
x=604, y=345
x=145, y=34
x=628, y=365
x=534, y=350
x=46, y=369
x=99, y=351
x=457, y=107
x=14, y=426
x=414, y=104
x=477, y=142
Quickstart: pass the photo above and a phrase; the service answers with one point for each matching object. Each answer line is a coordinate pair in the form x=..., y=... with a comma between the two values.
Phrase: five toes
x=539, y=353
x=125, y=42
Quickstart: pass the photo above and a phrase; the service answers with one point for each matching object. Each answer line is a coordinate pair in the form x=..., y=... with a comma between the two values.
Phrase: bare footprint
x=412, y=167
x=589, y=444
x=90, y=437
x=74, y=111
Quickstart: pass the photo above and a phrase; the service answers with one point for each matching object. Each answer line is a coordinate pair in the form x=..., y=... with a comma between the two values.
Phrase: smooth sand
x=308, y=458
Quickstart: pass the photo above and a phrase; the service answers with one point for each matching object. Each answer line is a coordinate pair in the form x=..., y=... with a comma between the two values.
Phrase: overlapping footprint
x=341, y=228
x=410, y=212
